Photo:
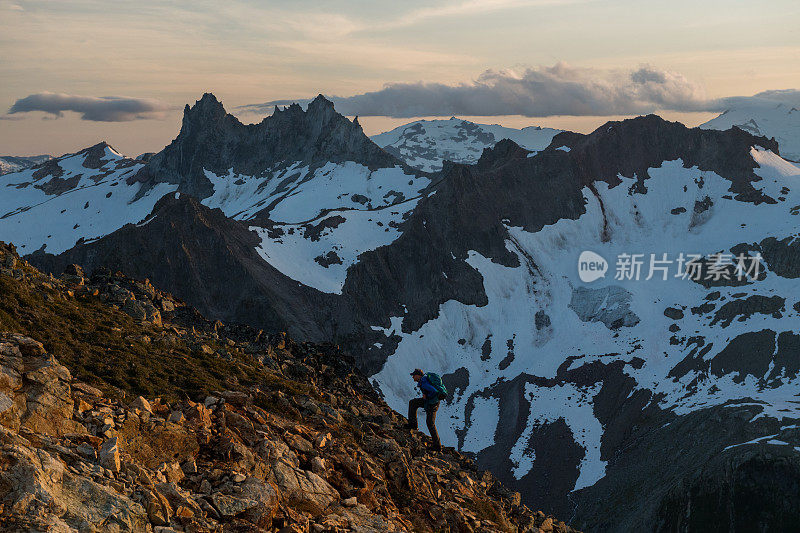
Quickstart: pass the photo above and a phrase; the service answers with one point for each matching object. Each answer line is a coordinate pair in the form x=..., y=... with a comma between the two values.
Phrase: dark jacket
x=429, y=391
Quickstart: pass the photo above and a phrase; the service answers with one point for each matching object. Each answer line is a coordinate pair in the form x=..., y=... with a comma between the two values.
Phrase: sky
x=73, y=73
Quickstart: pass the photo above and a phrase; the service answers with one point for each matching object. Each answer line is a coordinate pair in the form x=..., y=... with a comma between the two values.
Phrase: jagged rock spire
x=211, y=139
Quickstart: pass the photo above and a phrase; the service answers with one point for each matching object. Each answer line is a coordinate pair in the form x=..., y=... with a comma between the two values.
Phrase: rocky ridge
x=155, y=419
x=213, y=140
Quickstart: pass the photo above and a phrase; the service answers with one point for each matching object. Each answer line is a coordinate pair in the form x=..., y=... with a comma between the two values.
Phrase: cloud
x=468, y=8
x=99, y=109
x=536, y=92
x=11, y=6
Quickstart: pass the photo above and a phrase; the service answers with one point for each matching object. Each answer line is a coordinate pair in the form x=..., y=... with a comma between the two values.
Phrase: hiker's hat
x=417, y=372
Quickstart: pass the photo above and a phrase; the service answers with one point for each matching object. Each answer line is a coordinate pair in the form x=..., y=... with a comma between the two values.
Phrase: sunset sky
x=563, y=63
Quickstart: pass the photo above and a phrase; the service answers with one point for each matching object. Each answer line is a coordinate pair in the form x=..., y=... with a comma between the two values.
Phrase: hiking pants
x=430, y=418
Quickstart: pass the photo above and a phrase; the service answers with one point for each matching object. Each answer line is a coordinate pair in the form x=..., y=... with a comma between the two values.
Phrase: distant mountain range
x=774, y=114
x=73, y=198
x=621, y=404
x=11, y=163
x=425, y=144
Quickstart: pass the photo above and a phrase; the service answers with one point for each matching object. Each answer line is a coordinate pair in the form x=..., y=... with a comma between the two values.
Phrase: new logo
x=591, y=266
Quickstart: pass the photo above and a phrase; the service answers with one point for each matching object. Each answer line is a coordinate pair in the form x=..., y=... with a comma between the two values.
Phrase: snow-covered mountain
x=310, y=183
x=424, y=144
x=605, y=385
x=773, y=114
x=12, y=163
x=78, y=196
x=624, y=404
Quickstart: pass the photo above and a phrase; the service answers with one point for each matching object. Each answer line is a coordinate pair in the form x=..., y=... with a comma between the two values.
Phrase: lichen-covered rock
x=34, y=389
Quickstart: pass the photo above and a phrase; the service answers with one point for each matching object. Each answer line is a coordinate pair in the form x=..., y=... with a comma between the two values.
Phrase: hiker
x=432, y=392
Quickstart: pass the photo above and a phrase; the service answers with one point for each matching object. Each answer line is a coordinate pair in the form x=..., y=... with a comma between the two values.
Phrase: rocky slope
x=426, y=144
x=153, y=418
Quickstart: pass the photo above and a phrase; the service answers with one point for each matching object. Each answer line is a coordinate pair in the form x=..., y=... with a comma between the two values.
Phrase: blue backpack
x=436, y=381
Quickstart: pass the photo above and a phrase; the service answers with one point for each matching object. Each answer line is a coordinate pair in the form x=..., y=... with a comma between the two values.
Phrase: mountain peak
x=321, y=109
x=208, y=102
x=320, y=101
x=97, y=156
x=98, y=148
x=213, y=140
x=501, y=153
x=207, y=108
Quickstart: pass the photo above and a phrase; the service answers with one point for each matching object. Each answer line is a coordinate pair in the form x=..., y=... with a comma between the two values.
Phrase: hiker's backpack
x=436, y=381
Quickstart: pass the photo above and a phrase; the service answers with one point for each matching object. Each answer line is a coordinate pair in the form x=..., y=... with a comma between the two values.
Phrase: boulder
x=159, y=511
x=322, y=440
x=74, y=270
x=303, y=486
x=298, y=443
x=198, y=415
x=34, y=389
x=350, y=502
x=142, y=310
x=178, y=497
x=109, y=455
x=172, y=472
x=28, y=347
x=189, y=466
x=141, y=404
x=230, y=506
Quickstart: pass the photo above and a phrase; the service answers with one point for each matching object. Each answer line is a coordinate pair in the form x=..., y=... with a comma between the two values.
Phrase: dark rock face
x=48, y=168
x=759, y=494
x=57, y=185
x=631, y=147
x=747, y=354
x=697, y=487
x=747, y=307
x=214, y=140
x=209, y=261
x=781, y=256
